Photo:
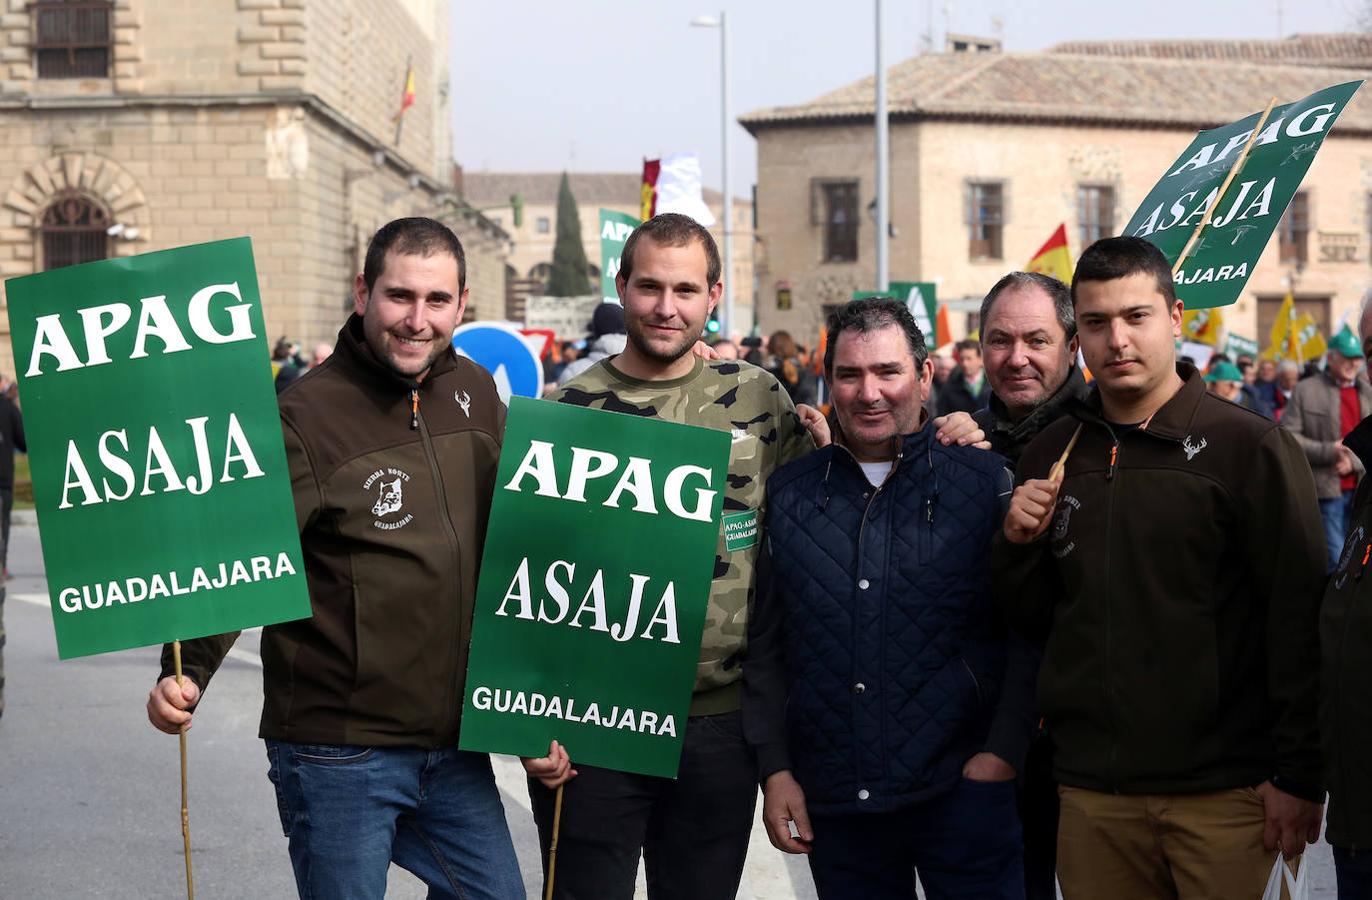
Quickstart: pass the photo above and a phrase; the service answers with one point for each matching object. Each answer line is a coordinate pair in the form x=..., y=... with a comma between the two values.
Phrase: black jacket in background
x=1010, y=438
x=956, y=394
x=1179, y=588
x=11, y=439
x=1346, y=676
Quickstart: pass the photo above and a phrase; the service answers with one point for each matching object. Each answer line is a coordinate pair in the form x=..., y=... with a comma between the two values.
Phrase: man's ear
x=360, y=295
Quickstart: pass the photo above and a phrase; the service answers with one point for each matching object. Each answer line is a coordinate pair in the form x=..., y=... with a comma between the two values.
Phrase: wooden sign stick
x=185, y=816
x=1055, y=473
x=1228, y=179
x=552, y=846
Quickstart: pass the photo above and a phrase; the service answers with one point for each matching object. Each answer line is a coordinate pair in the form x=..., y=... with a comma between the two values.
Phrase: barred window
x=985, y=217
x=73, y=38
x=1294, y=231
x=1095, y=213
x=74, y=232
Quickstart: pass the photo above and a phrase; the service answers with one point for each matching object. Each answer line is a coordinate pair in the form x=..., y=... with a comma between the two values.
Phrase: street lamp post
x=727, y=211
x=883, y=153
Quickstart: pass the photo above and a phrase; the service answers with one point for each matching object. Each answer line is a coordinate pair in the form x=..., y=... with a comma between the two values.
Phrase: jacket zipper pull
x=1114, y=458
x=1366, y=553
x=414, y=409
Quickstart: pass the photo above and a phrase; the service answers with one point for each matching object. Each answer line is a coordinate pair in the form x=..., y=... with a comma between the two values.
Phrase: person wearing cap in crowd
x=1225, y=380
x=607, y=338
x=1321, y=412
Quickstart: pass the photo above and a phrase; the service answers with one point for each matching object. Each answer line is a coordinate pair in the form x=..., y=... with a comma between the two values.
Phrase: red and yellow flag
x=407, y=99
x=1054, y=258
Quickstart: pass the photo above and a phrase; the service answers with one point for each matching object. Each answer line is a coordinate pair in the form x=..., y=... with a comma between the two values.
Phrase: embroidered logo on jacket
x=464, y=400
x=390, y=497
x=1192, y=449
x=1062, y=520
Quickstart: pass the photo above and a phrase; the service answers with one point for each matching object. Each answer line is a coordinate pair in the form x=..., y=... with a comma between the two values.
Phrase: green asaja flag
x=1223, y=257
x=159, y=473
x=594, y=583
x=920, y=296
x=1236, y=346
x=615, y=228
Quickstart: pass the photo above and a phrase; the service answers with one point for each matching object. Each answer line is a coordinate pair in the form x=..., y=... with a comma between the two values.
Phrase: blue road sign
x=501, y=350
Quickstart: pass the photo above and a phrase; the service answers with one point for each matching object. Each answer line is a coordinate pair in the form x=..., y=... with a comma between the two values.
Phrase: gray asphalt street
x=89, y=792
x=90, y=796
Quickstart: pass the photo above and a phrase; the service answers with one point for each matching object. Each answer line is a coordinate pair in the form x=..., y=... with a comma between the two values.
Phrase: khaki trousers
x=1178, y=847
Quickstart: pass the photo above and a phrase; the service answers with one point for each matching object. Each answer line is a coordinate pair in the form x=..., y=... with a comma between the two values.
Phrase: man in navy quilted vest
x=888, y=707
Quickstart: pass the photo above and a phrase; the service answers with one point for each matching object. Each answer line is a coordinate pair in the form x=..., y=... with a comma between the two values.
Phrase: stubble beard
x=645, y=348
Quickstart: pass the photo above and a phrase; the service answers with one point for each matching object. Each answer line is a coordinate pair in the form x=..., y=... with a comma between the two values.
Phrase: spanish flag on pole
x=406, y=100
x=1054, y=258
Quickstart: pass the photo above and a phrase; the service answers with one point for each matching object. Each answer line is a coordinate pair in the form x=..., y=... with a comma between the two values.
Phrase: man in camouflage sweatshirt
x=692, y=832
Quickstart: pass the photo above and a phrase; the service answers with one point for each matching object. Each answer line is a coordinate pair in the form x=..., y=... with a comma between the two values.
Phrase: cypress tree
x=569, y=276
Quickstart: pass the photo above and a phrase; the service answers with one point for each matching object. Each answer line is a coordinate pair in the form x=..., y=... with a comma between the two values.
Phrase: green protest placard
x=615, y=228
x=1236, y=346
x=1222, y=259
x=920, y=296
x=594, y=584
x=159, y=473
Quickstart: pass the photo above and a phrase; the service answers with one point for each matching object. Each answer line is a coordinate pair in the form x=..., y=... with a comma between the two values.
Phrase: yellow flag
x=1279, y=345
x=1308, y=338
x=1202, y=326
x=1053, y=258
x=1295, y=336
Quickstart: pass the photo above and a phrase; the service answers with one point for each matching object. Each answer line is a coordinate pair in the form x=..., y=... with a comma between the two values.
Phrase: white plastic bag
x=1298, y=886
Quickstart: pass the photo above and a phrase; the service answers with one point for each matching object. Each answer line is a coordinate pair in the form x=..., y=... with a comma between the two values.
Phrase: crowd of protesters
x=1007, y=630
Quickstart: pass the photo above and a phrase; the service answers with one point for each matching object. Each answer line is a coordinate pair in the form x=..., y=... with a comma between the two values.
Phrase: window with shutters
x=72, y=38
x=1294, y=231
x=985, y=218
x=1095, y=213
x=74, y=232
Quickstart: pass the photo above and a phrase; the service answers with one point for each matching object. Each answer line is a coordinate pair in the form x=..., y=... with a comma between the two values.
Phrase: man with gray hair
x=1029, y=342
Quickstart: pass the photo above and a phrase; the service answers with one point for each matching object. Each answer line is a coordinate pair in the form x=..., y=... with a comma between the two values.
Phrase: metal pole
x=883, y=151
x=727, y=325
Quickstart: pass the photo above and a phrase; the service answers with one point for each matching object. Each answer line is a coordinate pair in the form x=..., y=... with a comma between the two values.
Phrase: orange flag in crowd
x=943, y=333
x=1054, y=258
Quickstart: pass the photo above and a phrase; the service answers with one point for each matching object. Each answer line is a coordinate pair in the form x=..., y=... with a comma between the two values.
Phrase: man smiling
x=1177, y=678
x=692, y=833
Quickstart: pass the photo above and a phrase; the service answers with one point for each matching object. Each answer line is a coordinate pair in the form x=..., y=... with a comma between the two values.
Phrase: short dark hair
x=967, y=344
x=1058, y=292
x=873, y=314
x=415, y=236
x=1119, y=257
x=672, y=230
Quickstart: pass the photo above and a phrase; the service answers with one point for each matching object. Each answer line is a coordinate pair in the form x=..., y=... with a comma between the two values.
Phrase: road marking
x=243, y=656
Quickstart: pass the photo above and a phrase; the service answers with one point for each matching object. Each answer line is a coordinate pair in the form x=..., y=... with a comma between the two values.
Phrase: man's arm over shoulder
x=1298, y=421
x=793, y=438
x=1284, y=547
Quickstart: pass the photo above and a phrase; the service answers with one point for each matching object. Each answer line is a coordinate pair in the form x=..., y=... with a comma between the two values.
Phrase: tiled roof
x=540, y=188
x=1065, y=87
x=1345, y=50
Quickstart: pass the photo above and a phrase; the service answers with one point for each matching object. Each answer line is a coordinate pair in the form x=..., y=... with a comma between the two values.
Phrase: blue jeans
x=351, y=811
x=1335, y=513
x=1354, y=872
x=966, y=843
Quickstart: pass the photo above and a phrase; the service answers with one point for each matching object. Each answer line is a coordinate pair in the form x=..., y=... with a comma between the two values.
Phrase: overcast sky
x=593, y=85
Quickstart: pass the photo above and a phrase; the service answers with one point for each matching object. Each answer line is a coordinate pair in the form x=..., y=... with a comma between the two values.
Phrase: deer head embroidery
x=1192, y=449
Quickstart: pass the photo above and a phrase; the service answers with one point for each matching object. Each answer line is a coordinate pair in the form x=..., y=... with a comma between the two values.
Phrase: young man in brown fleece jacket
x=392, y=446
x=1176, y=570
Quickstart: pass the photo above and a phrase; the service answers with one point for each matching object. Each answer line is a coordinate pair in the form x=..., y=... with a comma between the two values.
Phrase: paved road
x=89, y=792
x=89, y=797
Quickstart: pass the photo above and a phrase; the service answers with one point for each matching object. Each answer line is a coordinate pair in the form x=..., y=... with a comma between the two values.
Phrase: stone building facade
x=531, y=253
x=143, y=126
x=991, y=151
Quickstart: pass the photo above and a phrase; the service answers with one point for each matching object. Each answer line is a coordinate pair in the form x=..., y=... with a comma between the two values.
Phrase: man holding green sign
x=692, y=832
x=392, y=446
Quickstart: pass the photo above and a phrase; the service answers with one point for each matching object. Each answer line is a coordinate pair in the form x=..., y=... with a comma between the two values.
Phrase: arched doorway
x=74, y=230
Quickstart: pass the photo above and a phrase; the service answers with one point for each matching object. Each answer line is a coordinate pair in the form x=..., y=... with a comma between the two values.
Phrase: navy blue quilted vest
x=894, y=655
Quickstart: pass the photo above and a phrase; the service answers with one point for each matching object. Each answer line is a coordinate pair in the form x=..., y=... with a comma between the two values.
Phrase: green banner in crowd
x=159, y=474
x=594, y=584
x=1236, y=346
x=1222, y=259
x=615, y=228
x=920, y=296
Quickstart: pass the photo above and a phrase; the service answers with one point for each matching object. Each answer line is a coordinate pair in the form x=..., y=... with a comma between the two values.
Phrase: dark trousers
x=1353, y=869
x=1038, y=815
x=6, y=510
x=963, y=844
x=692, y=832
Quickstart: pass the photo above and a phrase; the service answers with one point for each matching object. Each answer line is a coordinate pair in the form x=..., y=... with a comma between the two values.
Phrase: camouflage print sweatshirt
x=748, y=403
